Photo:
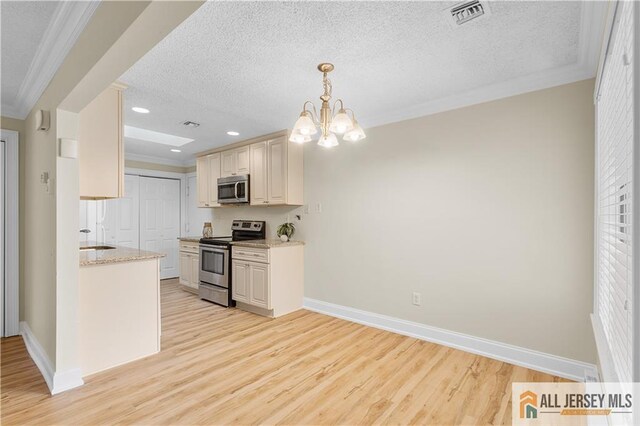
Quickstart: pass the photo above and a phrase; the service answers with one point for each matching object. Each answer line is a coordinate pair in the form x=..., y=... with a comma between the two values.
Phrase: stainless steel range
x=215, y=260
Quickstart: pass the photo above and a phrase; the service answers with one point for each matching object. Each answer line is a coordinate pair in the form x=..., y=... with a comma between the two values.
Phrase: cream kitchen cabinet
x=251, y=283
x=202, y=178
x=274, y=166
x=100, y=146
x=259, y=174
x=240, y=273
x=189, y=266
x=235, y=162
x=208, y=172
x=214, y=174
x=276, y=172
x=268, y=281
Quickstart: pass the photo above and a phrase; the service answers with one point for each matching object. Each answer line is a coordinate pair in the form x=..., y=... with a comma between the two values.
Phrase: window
x=614, y=196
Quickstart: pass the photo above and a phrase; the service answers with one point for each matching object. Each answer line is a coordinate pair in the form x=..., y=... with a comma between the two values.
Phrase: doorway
x=9, y=246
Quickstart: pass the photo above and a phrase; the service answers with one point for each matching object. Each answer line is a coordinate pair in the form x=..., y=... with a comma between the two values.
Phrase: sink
x=97, y=248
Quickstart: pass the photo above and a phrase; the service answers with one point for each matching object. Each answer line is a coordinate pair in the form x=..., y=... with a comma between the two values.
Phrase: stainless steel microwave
x=233, y=189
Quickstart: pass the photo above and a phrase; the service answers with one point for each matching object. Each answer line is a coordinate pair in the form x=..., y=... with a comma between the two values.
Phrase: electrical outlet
x=318, y=207
x=416, y=299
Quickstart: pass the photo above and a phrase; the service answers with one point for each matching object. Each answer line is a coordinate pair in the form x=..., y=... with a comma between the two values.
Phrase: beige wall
x=39, y=217
x=19, y=126
x=487, y=211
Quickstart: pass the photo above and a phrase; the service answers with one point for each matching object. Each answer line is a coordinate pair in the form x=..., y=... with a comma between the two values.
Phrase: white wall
x=487, y=211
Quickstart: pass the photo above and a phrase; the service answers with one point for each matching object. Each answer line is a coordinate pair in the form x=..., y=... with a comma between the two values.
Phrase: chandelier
x=329, y=122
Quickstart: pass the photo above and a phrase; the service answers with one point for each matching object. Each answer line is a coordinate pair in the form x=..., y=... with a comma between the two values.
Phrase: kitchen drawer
x=189, y=247
x=250, y=253
x=214, y=294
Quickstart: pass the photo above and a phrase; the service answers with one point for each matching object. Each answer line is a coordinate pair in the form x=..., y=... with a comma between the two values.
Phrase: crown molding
x=592, y=26
x=65, y=27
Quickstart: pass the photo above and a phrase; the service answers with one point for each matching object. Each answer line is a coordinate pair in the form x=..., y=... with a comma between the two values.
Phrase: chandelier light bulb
x=341, y=123
x=298, y=138
x=355, y=134
x=328, y=141
x=304, y=125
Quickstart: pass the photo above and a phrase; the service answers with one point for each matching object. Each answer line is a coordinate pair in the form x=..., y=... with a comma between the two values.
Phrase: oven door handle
x=215, y=250
x=235, y=189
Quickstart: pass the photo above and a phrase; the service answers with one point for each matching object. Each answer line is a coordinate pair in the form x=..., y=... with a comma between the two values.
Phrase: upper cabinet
x=100, y=146
x=202, y=179
x=276, y=176
x=214, y=174
x=208, y=172
x=258, y=176
x=235, y=162
x=274, y=166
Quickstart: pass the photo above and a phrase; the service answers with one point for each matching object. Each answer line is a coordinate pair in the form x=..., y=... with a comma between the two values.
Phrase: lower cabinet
x=251, y=283
x=259, y=285
x=185, y=268
x=268, y=281
x=240, y=280
x=189, y=266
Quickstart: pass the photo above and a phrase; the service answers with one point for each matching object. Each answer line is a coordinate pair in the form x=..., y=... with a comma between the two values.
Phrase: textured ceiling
x=248, y=66
x=23, y=23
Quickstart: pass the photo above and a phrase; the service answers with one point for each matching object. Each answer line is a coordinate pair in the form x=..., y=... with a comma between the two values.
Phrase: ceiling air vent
x=465, y=12
x=190, y=123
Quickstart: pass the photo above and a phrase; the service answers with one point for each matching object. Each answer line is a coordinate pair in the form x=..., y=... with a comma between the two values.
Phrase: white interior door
x=128, y=214
x=89, y=221
x=107, y=220
x=118, y=219
x=160, y=221
x=2, y=238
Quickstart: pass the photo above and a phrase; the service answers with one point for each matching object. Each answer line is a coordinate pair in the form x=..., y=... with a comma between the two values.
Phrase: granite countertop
x=269, y=243
x=117, y=255
x=190, y=239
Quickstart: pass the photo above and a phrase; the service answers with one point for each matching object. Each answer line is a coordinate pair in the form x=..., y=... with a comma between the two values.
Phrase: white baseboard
x=528, y=358
x=56, y=381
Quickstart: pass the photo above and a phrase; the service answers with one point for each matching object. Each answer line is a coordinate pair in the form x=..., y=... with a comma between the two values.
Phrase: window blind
x=614, y=160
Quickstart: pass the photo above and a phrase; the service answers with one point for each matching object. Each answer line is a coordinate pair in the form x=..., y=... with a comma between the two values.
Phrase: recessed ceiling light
x=176, y=150
x=140, y=110
x=232, y=133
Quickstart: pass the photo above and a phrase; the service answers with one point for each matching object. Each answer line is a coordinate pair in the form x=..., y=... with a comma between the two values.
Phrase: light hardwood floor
x=225, y=366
